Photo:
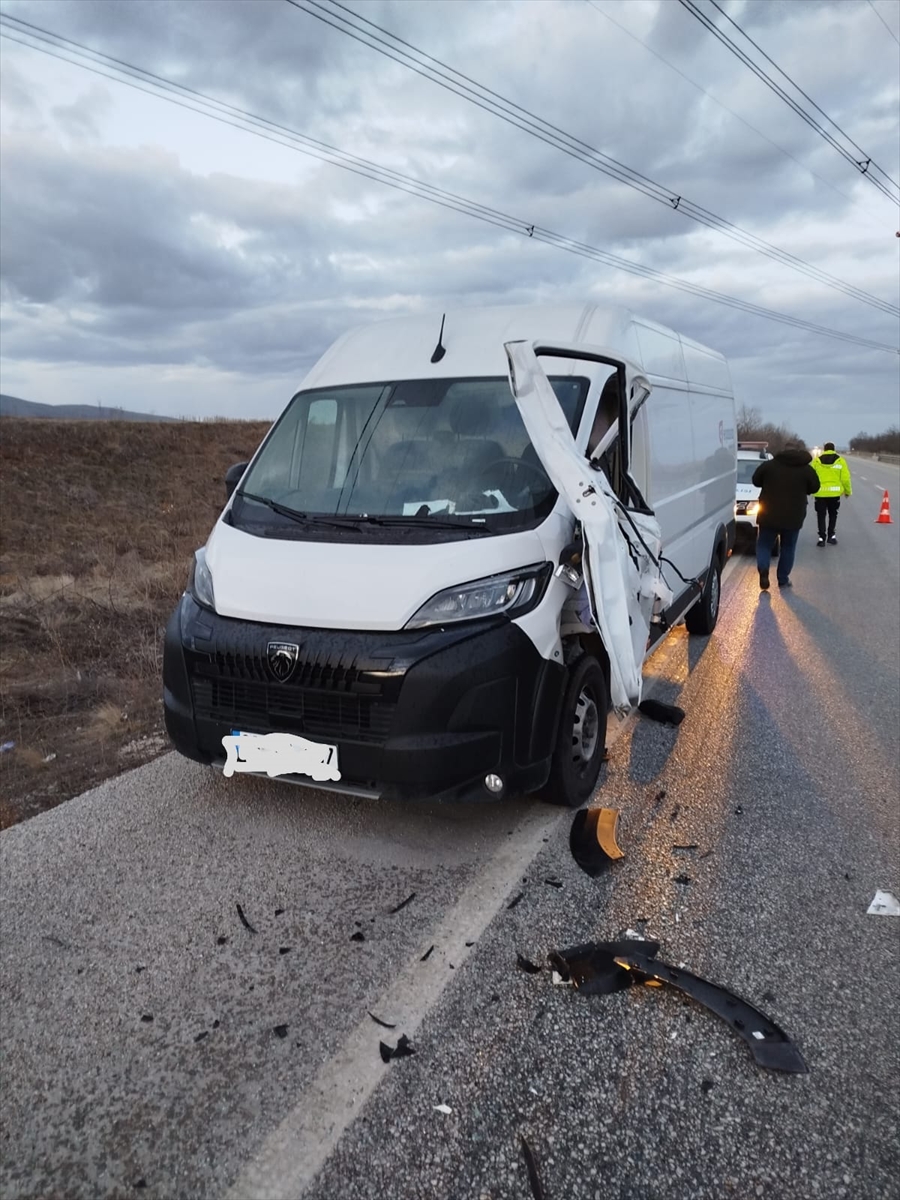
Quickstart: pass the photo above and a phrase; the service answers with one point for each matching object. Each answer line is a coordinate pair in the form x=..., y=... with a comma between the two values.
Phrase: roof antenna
x=439, y=350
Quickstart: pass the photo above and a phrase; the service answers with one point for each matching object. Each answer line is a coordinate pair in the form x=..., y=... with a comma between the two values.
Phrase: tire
x=701, y=617
x=581, y=739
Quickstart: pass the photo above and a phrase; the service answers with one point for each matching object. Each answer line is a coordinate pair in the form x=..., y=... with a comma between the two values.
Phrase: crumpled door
x=621, y=557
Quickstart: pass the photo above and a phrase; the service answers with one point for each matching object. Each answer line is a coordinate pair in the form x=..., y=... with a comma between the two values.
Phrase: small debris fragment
x=285, y=949
x=140, y=1183
x=216, y=1024
x=221, y=940
x=884, y=904
x=278, y=912
x=147, y=1018
x=592, y=839
x=768, y=997
x=402, y=1050
x=525, y=964
x=137, y=970
x=659, y=797
x=667, y=714
x=280, y=1031
x=48, y=758
x=685, y=879
x=470, y=943
x=378, y=1021
x=515, y=900
x=427, y=954
x=201, y=1035
x=534, y=1175
x=686, y=848
x=6, y=747
x=675, y=811
x=442, y=1108
x=555, y=883
x=707, y=1085
x=246, y=924
x=738, y=811
x=359, y=936
x=403, y=903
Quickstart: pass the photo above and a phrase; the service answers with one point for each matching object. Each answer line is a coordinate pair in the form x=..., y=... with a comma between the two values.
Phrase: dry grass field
x=98, y=523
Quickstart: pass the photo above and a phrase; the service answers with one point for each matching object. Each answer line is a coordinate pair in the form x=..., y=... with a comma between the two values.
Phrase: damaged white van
x=452, y=552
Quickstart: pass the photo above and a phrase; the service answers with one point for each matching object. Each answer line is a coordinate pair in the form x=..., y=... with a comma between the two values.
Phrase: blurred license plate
x=280, y=754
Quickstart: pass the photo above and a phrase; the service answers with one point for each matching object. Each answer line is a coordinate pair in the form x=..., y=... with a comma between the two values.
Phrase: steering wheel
x=519, y=464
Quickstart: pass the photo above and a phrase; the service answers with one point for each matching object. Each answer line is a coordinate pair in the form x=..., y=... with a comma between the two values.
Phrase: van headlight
x=200, y=584
x=512, y=593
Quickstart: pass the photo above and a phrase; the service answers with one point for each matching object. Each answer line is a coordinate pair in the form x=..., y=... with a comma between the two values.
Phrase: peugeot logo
x=282, y=658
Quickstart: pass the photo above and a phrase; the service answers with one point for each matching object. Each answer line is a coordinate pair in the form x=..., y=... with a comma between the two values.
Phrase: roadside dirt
x=98, y=523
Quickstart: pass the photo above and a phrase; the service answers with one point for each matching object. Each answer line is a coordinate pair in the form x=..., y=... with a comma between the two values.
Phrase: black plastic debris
x=684, y=849
x=285, y=949
x=221, y=940
x=246, y=924
x=215, y=1024
x=738, y=811
x=139, y=969
x=771, y=1047
x=280, y=1031
x=707, y=1085
x=515, y=900
x=592, y=839
x=683, y=879
x=427, y=954
x=768, y=997
x=359, y=936
x=403, y=903
x=279, y=912
x=554, y=883
x=378, y=1021
x=534, y=1176
x=525, y=964
x=470, y=943
x=675, y=811
x=147, y=1018
x=592, y=966
x=140, y=1183
x=667, y=714
x=201, y=1035
x=659, y=797
x=402, y=1050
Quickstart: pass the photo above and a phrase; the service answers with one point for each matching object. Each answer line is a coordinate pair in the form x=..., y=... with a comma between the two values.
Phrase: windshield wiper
x=294, y=514
x=413, y=522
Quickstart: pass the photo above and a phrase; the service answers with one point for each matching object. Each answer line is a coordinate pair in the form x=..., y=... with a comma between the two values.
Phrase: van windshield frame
x=407, y=460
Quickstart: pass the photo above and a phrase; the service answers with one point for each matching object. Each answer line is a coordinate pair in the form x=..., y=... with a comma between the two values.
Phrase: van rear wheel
x=581, y=739
x=701, y=617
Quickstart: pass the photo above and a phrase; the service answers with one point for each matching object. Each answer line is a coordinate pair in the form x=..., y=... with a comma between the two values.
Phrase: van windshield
x=435, y=452
x=745, y=469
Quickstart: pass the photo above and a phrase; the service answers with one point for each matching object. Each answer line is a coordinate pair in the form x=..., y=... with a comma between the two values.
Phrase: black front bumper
x=417, y=714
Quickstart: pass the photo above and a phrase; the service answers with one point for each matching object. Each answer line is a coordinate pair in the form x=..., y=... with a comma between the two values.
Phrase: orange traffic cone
x=884, y=517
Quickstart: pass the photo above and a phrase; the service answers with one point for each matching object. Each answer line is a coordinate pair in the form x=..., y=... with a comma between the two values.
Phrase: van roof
x=402, y=347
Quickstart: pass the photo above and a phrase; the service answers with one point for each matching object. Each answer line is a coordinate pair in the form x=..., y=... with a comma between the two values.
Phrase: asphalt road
x=152, y=1046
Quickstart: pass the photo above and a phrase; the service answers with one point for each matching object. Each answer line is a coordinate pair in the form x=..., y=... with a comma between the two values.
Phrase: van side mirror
x=233, y=477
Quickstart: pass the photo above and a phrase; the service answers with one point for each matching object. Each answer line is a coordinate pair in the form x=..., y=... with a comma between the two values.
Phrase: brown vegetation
x=752, y=428
x=98, y=522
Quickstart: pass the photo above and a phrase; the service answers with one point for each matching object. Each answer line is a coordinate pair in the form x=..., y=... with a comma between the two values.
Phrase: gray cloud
x=121, y=259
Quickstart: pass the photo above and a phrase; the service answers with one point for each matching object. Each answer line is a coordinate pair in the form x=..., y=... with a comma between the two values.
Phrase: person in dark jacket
x=785, y=482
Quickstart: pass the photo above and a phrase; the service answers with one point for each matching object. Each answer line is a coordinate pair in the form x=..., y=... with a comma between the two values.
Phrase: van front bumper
x=416, y=714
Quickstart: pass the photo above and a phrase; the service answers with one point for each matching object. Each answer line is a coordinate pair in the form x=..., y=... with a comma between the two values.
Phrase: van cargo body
x=456, y=545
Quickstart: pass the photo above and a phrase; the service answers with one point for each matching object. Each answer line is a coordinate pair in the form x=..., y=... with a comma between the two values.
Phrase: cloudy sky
x=158, y=259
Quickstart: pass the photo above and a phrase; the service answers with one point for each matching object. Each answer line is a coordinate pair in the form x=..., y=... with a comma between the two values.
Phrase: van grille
x=286, y=708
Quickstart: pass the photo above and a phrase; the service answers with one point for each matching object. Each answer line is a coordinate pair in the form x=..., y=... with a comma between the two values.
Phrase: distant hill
x=12, y=406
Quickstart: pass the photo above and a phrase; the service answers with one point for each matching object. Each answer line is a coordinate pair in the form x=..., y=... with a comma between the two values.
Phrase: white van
x=452, y=550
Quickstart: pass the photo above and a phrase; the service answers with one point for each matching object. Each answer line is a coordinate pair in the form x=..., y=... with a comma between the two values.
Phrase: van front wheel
x=581, y=740
x=701, y=617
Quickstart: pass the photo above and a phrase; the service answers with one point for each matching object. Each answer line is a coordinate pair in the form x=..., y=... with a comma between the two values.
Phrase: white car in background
x=746, y=503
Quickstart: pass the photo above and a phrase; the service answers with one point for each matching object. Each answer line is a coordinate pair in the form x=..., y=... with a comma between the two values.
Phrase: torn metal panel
x=771, y=1047
x=621, y=556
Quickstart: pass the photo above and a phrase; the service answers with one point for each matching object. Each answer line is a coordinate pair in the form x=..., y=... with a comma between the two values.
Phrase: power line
x=861, y=165
x=521, y=118
x=872, y=165
x=703, y=91
x=883, y=21
x=126, y=73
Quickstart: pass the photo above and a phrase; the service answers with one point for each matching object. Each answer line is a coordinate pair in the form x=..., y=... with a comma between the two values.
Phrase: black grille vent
x=261, y=707
x=321, y=672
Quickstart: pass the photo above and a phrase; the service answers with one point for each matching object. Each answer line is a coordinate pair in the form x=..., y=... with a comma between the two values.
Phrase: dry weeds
x=98, y=522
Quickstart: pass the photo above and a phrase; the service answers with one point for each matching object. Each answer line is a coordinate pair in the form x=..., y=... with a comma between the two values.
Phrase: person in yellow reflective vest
x=834, y=482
